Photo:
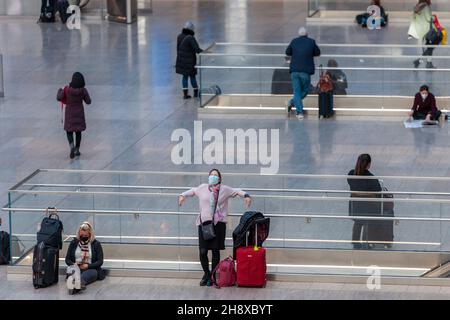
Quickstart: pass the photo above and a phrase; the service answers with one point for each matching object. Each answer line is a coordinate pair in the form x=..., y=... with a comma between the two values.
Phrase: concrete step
x=343, y=105
x=348, y=17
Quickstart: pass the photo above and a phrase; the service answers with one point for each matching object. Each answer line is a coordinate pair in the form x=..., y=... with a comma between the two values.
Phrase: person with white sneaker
x=301, y=51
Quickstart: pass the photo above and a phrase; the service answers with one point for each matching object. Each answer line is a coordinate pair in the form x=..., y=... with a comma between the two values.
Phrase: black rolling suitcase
x=381, y=232
x=326, y=104
x=45, y=265
x=325, y=94
x=46, y=252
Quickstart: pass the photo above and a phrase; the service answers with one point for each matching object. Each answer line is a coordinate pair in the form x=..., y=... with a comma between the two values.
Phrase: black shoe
x=77, y=152
x=416, y=63
x=185, y=94
x=204, y=280
x=430, y=65
x=290, y=108
x=72, y=153
x=195, y=93
x=209, y=282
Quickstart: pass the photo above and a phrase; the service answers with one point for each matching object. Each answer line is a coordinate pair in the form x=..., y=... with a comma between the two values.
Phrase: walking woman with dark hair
x=213, y=202
x=363, y=208
x=73, y=96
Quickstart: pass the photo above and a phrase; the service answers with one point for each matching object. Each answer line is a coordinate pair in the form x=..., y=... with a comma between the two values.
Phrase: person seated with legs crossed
x=424, y=107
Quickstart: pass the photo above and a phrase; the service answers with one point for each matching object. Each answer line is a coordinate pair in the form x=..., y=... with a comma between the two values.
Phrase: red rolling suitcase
x=251, y=265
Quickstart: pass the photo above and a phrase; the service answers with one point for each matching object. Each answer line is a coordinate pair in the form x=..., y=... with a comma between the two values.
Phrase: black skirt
x=218, y=243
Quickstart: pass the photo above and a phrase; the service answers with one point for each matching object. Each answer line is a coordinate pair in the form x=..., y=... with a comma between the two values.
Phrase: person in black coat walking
x=87, y=253
x=187, y=50
x=363, y=208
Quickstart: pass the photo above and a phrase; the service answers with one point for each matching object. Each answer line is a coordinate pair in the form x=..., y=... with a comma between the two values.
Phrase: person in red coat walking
x=424, y=106
x=73, y=96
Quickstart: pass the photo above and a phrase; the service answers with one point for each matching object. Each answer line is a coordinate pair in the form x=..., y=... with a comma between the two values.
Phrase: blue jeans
x=88, y=276
x=300, y=86
x=184, y=82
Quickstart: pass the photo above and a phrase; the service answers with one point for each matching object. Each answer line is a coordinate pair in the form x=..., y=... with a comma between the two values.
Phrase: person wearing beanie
x=301, y=51
x=73, y=96
x=187, y=50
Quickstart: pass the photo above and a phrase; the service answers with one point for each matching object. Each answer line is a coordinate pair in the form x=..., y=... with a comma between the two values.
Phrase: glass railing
x=306, y=211
x=259, y=71
x=2, y=84
x=361, y=5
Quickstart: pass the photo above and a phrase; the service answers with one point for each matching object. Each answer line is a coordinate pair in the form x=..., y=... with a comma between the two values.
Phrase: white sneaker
x=300, y=116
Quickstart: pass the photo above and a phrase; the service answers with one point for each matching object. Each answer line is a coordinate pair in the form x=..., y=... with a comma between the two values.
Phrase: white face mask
x=424, y=96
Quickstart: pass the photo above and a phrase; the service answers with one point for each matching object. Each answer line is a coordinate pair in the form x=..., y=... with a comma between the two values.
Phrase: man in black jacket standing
x=302, y=51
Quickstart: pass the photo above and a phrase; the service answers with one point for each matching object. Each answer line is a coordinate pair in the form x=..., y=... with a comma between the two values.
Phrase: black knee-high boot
x=205, y=266
x=77, y=144
x=72, y=146
x=185, y=94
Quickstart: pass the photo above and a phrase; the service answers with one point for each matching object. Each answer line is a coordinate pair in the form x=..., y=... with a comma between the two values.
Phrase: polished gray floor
x=19, y=287
x=137, y=104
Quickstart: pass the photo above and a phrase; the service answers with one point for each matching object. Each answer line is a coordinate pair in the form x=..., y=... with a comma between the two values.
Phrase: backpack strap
x=65, y=90
x=213, y=277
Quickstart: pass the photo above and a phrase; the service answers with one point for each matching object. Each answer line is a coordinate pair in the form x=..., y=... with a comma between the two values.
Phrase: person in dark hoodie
x=338, y=77
x=187, y=50
x=73, y=96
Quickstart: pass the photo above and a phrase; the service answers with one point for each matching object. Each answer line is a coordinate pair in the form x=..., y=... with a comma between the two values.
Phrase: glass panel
x=307, y=212
x=258, y=76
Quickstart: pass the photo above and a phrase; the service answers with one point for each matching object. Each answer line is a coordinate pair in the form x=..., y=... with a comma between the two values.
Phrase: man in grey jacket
x=302, y=51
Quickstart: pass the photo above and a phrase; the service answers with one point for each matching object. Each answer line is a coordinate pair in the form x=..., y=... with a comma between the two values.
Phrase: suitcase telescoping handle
x=256, y=238
x=52, y=211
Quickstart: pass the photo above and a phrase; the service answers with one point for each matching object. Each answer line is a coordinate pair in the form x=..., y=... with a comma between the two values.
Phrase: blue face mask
x=213, y=180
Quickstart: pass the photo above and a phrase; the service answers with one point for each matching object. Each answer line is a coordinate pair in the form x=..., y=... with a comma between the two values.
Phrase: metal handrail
x=307, y=198
x=214, y=54
x=317, y=68
x=338, y=96
x=246, y=189
x=240, y=174
x=269, y=239
x=2, y=83
x=272, y=215
x=349, y=45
